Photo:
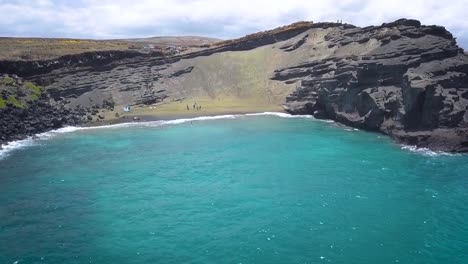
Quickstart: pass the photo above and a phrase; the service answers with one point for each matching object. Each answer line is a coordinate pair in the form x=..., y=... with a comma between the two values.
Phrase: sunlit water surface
x=256, y=189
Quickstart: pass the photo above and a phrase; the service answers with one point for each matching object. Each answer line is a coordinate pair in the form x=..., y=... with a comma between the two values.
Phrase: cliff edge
x=403, y=79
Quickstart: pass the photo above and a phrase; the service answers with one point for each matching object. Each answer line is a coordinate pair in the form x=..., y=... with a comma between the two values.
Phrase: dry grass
x=47, y=48
x=38, y=48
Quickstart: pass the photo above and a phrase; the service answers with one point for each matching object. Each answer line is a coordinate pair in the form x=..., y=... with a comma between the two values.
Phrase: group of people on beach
x=195, y=107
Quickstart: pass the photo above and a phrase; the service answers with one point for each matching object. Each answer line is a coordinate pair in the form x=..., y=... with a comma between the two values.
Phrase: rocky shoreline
x=403, y=79
x=404, y=143
x=27, y=110
x=413, y=86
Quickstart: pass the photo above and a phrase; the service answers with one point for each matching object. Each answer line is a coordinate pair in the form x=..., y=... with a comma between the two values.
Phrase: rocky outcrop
x=41, y=116
x=412, y=85
x=95, y=59
x=294, y=46
x=183, y=71
x=26, y=110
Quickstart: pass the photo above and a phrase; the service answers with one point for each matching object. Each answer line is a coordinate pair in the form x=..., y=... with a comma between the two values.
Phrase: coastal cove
x=237, y=132
x=401, y=78
x=255, y=188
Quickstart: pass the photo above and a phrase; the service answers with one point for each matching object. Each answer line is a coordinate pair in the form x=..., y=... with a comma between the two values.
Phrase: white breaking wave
x=284, y=115
x=427, y=152
x=200, y=118
x=10, y=146
x=30, y=141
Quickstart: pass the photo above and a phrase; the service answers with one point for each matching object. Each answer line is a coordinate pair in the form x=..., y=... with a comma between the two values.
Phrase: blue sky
x=214, y=18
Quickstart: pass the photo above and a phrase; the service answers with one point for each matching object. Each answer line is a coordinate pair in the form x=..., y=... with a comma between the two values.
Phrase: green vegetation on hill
x=12, y=99
x=34, y=88
x=16, y=95
x=8, y=80
x=33, y=97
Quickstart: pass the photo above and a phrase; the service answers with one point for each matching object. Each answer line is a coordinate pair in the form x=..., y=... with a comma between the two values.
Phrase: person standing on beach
x=188, y=108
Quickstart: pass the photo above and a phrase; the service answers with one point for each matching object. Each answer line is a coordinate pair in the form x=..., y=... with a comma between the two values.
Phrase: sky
x=109, y=19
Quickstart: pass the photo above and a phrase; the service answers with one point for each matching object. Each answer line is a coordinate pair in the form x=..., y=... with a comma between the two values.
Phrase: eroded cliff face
x=403, y=79
x=26, y=109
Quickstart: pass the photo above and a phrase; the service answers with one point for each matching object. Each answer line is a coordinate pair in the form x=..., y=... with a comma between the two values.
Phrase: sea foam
x=30, y=141
x=33, y=140
x=283, y=115
x=10, y=146
x=426, y=151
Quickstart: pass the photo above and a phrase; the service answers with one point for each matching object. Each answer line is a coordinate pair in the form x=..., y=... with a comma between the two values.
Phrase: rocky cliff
x=403, y=79
x=410, y=82
x=25, y=109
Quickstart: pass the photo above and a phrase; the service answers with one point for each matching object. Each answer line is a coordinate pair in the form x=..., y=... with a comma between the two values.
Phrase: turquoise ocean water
x=256, y=189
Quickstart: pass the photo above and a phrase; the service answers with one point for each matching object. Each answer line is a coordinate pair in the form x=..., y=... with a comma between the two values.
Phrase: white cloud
x=224, y=19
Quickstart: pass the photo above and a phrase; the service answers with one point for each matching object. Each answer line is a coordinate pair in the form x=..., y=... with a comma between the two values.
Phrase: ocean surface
x=236, y=189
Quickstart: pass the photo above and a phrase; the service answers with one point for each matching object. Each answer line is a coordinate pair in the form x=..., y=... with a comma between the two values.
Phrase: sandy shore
x=176, y=110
